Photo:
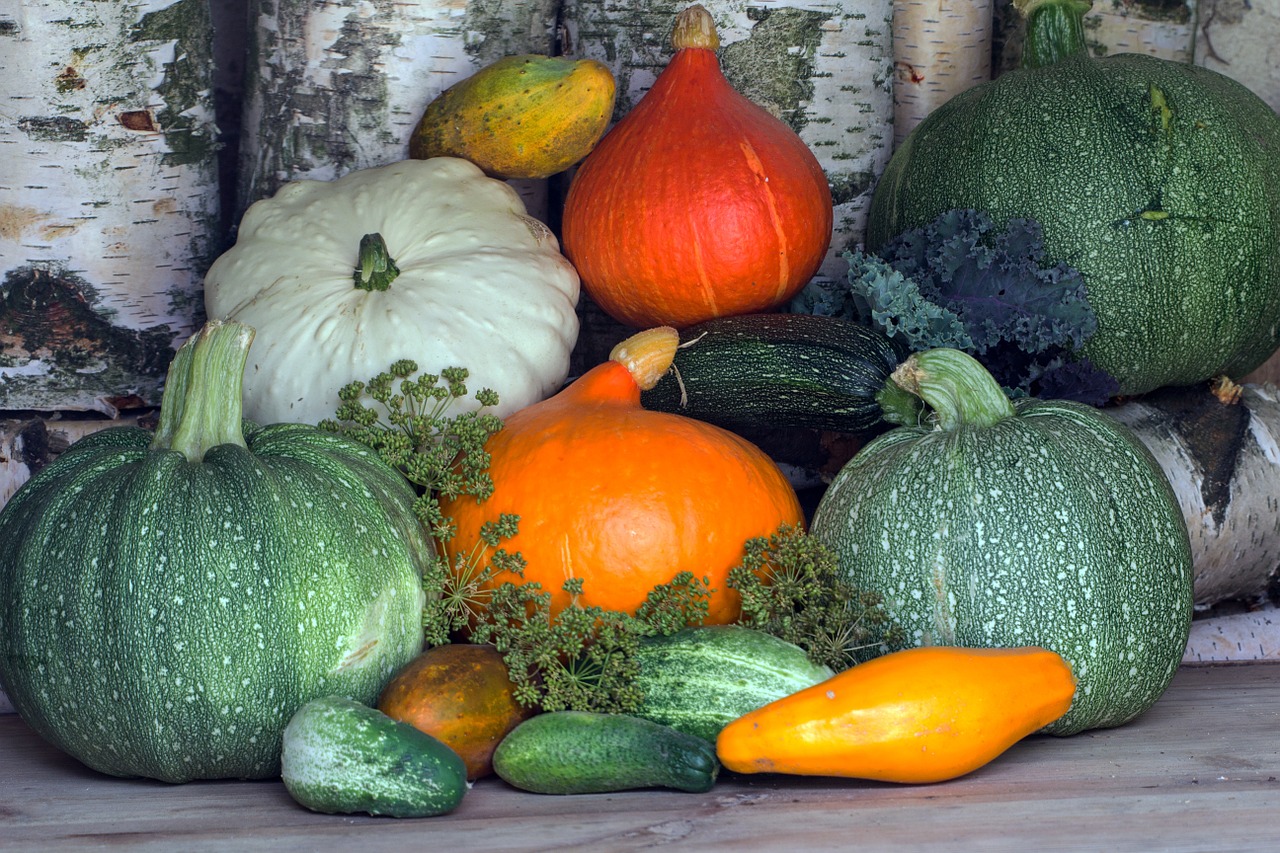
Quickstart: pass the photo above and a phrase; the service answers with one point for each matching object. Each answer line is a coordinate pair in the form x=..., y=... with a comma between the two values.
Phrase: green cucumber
x=701, y=679
x=341, y=757
x=583, y=752
x=783, y=370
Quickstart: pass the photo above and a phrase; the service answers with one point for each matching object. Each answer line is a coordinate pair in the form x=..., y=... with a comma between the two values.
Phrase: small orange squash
x=460, y=694
x=924, y=714
x=621, y=497
x=698, y=203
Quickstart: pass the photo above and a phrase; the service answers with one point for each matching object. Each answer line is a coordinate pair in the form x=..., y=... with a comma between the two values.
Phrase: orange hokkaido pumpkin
x=460, y=694
x=919, y=715
x=698, y=203
x=621, y=497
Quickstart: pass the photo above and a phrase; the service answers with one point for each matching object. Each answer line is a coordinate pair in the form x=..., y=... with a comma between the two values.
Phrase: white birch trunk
x=1242, y=40
x=1159, y=28
x=1224, y=464
x=338, y=85
x=109, y=204
x=940, y=49
x=826, y=68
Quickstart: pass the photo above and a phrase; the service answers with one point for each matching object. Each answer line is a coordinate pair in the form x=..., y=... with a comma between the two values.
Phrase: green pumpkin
x=1035, y=523
x=1158, y=180
x=168, y=601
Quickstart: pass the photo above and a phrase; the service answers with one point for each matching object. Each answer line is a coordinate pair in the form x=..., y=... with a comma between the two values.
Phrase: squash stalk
x=201, y=406
x=1055, y=30
x=376, y=269
x=956, y=386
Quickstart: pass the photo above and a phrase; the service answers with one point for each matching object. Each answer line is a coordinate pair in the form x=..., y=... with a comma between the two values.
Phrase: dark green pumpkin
x=1158, y=180
x=1035, y=523
x=168, y=601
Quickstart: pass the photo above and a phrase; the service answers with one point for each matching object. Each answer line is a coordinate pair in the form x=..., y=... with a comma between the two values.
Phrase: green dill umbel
x=411, y=427
x=792, y=587
x=583, y=657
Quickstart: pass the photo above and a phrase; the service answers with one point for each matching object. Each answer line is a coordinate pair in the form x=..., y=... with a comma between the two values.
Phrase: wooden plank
x=1199, y=771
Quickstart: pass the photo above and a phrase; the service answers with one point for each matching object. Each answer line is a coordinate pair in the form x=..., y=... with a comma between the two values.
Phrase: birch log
x=1223, y=461
x=1160, y=28
x=109, y=204
x=338, y=85
x=1241, y=39
x=825, y=68
x=940, y=49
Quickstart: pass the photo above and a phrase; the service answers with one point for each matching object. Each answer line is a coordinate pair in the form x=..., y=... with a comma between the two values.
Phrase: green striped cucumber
x=342, y=757
x=701, y=679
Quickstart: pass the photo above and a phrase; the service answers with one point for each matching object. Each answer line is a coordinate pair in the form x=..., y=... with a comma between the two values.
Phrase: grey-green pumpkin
x=1159, y=181
x=168, y=601
x=1041, y=523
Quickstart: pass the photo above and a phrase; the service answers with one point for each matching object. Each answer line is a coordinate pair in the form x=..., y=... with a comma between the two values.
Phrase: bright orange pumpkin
x=460, y=694
x=919, y=715
x=625, y=498
x=698, y=203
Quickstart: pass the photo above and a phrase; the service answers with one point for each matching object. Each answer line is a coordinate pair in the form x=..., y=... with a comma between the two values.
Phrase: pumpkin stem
x=201, y=405
x=648, y=355
x=695, y=28
x=956, y=386
x=1055, y=30
x=376, y=269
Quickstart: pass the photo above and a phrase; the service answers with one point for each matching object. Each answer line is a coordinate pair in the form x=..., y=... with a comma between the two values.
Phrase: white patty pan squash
x=480, y=285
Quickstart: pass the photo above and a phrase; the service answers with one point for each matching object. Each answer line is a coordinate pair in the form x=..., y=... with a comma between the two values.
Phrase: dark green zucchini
x=784, y=370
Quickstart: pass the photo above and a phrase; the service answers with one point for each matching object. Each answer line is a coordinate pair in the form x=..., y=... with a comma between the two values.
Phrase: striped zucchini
x=783, y=370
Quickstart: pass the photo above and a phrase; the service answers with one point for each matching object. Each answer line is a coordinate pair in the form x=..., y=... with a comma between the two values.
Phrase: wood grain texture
x=1200, y=771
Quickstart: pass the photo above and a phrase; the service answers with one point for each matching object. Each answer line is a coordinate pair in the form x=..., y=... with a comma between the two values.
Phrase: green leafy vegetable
x=792, y=587
x=963, y=282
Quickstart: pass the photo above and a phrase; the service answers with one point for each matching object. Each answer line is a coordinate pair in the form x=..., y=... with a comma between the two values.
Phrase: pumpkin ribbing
x=164, y=617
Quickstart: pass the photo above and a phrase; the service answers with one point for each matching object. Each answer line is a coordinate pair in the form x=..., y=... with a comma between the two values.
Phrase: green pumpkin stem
x=1055, y=30
x=201, y=407
x=376, y=269
x=956, y=386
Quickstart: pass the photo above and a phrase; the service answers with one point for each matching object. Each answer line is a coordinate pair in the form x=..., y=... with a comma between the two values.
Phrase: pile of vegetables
x=443, y=560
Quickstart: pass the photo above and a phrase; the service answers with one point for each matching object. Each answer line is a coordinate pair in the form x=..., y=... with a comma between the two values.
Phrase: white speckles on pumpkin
x=1074, y=548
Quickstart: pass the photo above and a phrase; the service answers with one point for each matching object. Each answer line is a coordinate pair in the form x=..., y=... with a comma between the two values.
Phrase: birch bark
x=1223, y=462
x=940, y=49
x=108, y=197
x=826, y=68
x=1242, y=40
x=338, y=85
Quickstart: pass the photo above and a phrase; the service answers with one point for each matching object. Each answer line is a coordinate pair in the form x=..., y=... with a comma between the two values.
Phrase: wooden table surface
x=1200, y=771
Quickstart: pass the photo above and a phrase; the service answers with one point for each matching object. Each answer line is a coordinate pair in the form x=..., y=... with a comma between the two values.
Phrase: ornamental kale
x=963, y=282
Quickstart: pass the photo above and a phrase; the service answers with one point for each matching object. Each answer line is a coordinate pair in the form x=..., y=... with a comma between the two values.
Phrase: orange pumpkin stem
x=694, y=28
x=648, y=355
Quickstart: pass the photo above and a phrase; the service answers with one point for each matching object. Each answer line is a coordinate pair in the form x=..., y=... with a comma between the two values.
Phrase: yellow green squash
x=526, y=116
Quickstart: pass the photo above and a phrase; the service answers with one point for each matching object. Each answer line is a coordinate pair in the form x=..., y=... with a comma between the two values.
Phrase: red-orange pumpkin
x=698, y=203
x=625, y=498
